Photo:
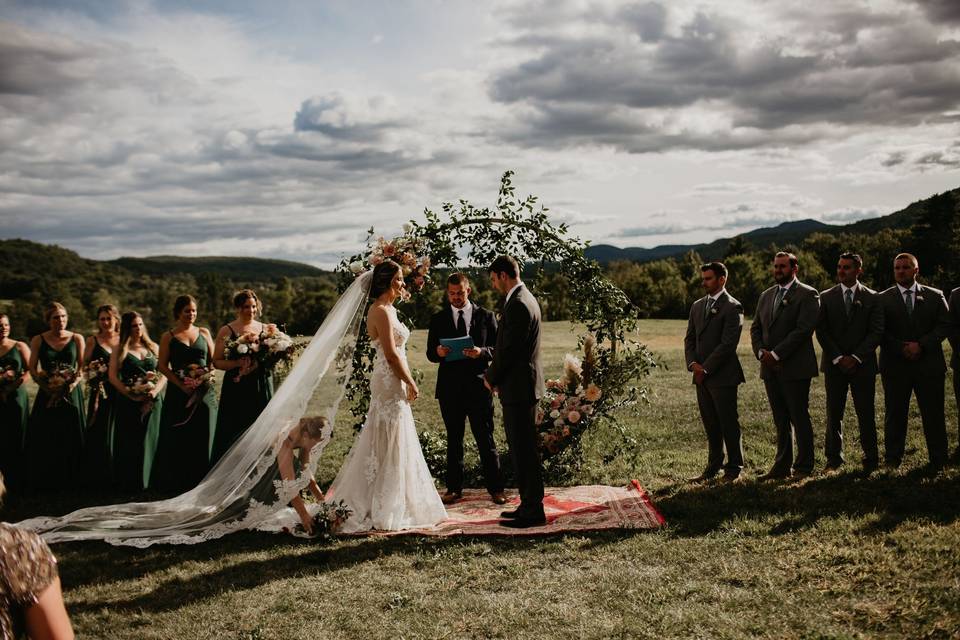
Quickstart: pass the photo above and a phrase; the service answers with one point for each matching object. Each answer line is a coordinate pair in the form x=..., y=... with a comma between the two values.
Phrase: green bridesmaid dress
x=183, y=449
x=241, y=401
x=13, y=423
x=96, y=457
x=55, y=431
x=134, y=433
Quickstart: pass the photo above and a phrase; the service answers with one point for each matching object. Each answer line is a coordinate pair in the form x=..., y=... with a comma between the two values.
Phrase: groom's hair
x=505, y=264
x=719, y=269
x=458, y=279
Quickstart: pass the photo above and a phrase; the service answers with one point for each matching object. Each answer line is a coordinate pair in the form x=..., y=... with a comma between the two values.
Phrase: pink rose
x=573, y=417
x=375, y=260
x=389, y=250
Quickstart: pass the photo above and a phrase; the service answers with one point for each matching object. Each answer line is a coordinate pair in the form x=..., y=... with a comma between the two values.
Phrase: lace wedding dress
x=385, y=480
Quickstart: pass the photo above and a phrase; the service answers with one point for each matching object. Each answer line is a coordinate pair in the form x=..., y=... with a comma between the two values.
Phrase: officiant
x=461, y=339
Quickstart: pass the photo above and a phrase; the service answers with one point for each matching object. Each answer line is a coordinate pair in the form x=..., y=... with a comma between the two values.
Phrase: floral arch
x=592, y=387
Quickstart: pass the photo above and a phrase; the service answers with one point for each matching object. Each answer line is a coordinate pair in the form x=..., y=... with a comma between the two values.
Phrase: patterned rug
x=589, y=508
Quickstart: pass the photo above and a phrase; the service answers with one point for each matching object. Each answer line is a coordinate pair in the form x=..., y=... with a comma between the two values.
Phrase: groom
x=515, y=374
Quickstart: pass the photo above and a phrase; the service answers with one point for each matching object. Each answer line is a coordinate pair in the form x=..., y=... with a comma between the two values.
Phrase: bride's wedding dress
x=385, y=480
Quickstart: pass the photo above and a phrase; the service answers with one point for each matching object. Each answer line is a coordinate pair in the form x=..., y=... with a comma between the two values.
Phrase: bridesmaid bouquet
x=569, y=402
x=95, y=374
x=9, y=379
x=140, y=387
x=278, y=349
x=198, y=379
x=58, y=382
x=243, y=347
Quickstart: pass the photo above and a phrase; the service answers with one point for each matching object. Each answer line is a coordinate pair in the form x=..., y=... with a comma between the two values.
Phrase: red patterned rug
x=589, y=508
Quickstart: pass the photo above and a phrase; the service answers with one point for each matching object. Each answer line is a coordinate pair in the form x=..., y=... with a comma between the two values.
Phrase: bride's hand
x=412, y=391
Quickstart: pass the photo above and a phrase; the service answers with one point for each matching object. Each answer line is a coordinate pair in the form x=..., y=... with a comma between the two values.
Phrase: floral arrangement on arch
x=570, y=402
x=407, y=250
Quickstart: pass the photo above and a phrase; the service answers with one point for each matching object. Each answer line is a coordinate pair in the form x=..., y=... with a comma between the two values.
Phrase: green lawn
x=831, y=557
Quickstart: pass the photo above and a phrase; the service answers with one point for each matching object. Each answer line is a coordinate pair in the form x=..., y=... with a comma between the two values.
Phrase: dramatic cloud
x=651, y=77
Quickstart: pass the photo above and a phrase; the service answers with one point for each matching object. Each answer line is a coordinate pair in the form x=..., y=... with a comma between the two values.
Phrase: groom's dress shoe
x=510, y=514
x=451, y=496
x=524, y=522
x=708, y=474
x=498, y=497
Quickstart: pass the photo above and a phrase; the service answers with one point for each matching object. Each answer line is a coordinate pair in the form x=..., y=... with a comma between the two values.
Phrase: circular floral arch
x=593, y=386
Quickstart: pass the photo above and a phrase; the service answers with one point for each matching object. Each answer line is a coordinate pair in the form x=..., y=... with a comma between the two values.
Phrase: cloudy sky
x=286, y=128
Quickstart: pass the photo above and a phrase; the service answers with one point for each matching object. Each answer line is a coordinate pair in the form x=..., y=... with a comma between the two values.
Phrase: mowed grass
x=837, y=556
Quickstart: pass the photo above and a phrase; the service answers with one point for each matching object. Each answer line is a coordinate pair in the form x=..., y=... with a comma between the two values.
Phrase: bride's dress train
x=385, y=480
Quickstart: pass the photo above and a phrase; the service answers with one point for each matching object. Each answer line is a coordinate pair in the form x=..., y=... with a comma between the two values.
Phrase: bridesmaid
x=186, y=432
x=96, y=459
x=55, y=431
x=247, y=388
x=14, y=355
x=135, y=420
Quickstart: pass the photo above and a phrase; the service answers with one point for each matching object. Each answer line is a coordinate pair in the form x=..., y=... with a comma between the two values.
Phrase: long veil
x=225, y=501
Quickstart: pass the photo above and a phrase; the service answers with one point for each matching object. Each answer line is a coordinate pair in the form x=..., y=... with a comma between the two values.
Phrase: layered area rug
x=586, y=508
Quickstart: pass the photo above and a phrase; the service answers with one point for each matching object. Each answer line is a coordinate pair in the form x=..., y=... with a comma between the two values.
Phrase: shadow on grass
x=885, y=500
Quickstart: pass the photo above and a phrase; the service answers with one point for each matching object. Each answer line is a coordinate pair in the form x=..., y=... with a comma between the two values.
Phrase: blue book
x=457, y=345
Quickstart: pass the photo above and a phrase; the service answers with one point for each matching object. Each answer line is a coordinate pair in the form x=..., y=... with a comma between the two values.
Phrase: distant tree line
x=666, y=288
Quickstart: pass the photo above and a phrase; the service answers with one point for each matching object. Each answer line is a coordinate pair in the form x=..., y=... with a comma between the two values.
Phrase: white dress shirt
x=843, y=290
x=786, y=290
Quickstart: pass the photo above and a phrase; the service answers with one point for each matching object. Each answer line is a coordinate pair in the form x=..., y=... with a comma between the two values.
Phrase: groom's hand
x=472, y=352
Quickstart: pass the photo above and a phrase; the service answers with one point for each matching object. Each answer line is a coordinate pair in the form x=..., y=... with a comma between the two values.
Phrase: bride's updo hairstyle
x=382, y=276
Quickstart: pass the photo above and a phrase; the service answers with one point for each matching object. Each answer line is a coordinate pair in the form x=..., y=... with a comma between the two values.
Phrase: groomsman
x=515, y=373
x=782, y=337
x=955, y=358
x=849, y=330
x=460, y=387
x=710, y=347
x=916, y=321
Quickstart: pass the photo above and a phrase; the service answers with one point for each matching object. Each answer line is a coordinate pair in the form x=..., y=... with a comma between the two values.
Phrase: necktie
x=707, y=307
x=848, y=300
x=781, y=292
x=461, y=324
x=908, y=300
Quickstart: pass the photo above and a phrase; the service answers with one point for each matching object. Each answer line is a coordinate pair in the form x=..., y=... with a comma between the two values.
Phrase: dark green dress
x=241, y=402
x=186, y=433
x=55, y=433
x=134, y=434
x=13, y=423
x=96, y=458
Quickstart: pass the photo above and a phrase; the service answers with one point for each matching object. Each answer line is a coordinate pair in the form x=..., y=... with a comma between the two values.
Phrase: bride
x=384, y=481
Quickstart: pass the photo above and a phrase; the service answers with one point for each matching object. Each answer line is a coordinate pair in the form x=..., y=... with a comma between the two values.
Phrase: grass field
x=837, y=556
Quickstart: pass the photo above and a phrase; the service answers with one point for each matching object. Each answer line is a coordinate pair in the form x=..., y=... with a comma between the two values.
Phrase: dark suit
x=787, y=331
x=955, y=345
x=928, y=325
x=516, y=373
x=711, y=340
x=462, y=394
x=856, y=334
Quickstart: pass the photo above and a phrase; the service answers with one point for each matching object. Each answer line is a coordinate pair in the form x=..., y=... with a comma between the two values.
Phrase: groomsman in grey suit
x=955, y=358
x=710, y=347
x=916, y=321
x=849, y=330
x=782, y=337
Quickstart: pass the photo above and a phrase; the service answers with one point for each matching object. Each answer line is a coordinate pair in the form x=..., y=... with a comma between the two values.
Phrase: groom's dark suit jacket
x=712, y=340
x=515, y=369
x=462, y=376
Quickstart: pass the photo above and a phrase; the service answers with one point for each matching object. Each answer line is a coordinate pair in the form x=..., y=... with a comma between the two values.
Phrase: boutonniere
x=919, y=298
x=713, y=311
x=785, y=301
x=858, y=303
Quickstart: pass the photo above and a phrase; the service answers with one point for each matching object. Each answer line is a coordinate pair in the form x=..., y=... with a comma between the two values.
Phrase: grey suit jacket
x=857, y=335
x=929, y=325
x=955, y=333
x=788, y=333
x=712, y=340
x=515, y=369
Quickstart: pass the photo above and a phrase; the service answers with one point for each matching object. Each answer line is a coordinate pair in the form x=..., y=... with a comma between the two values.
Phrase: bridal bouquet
x=140, y=387
x=570, y=401
x=58, y=381
x=329, y=518
x=277, y=348
x=9, y=381
x=95, y=374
